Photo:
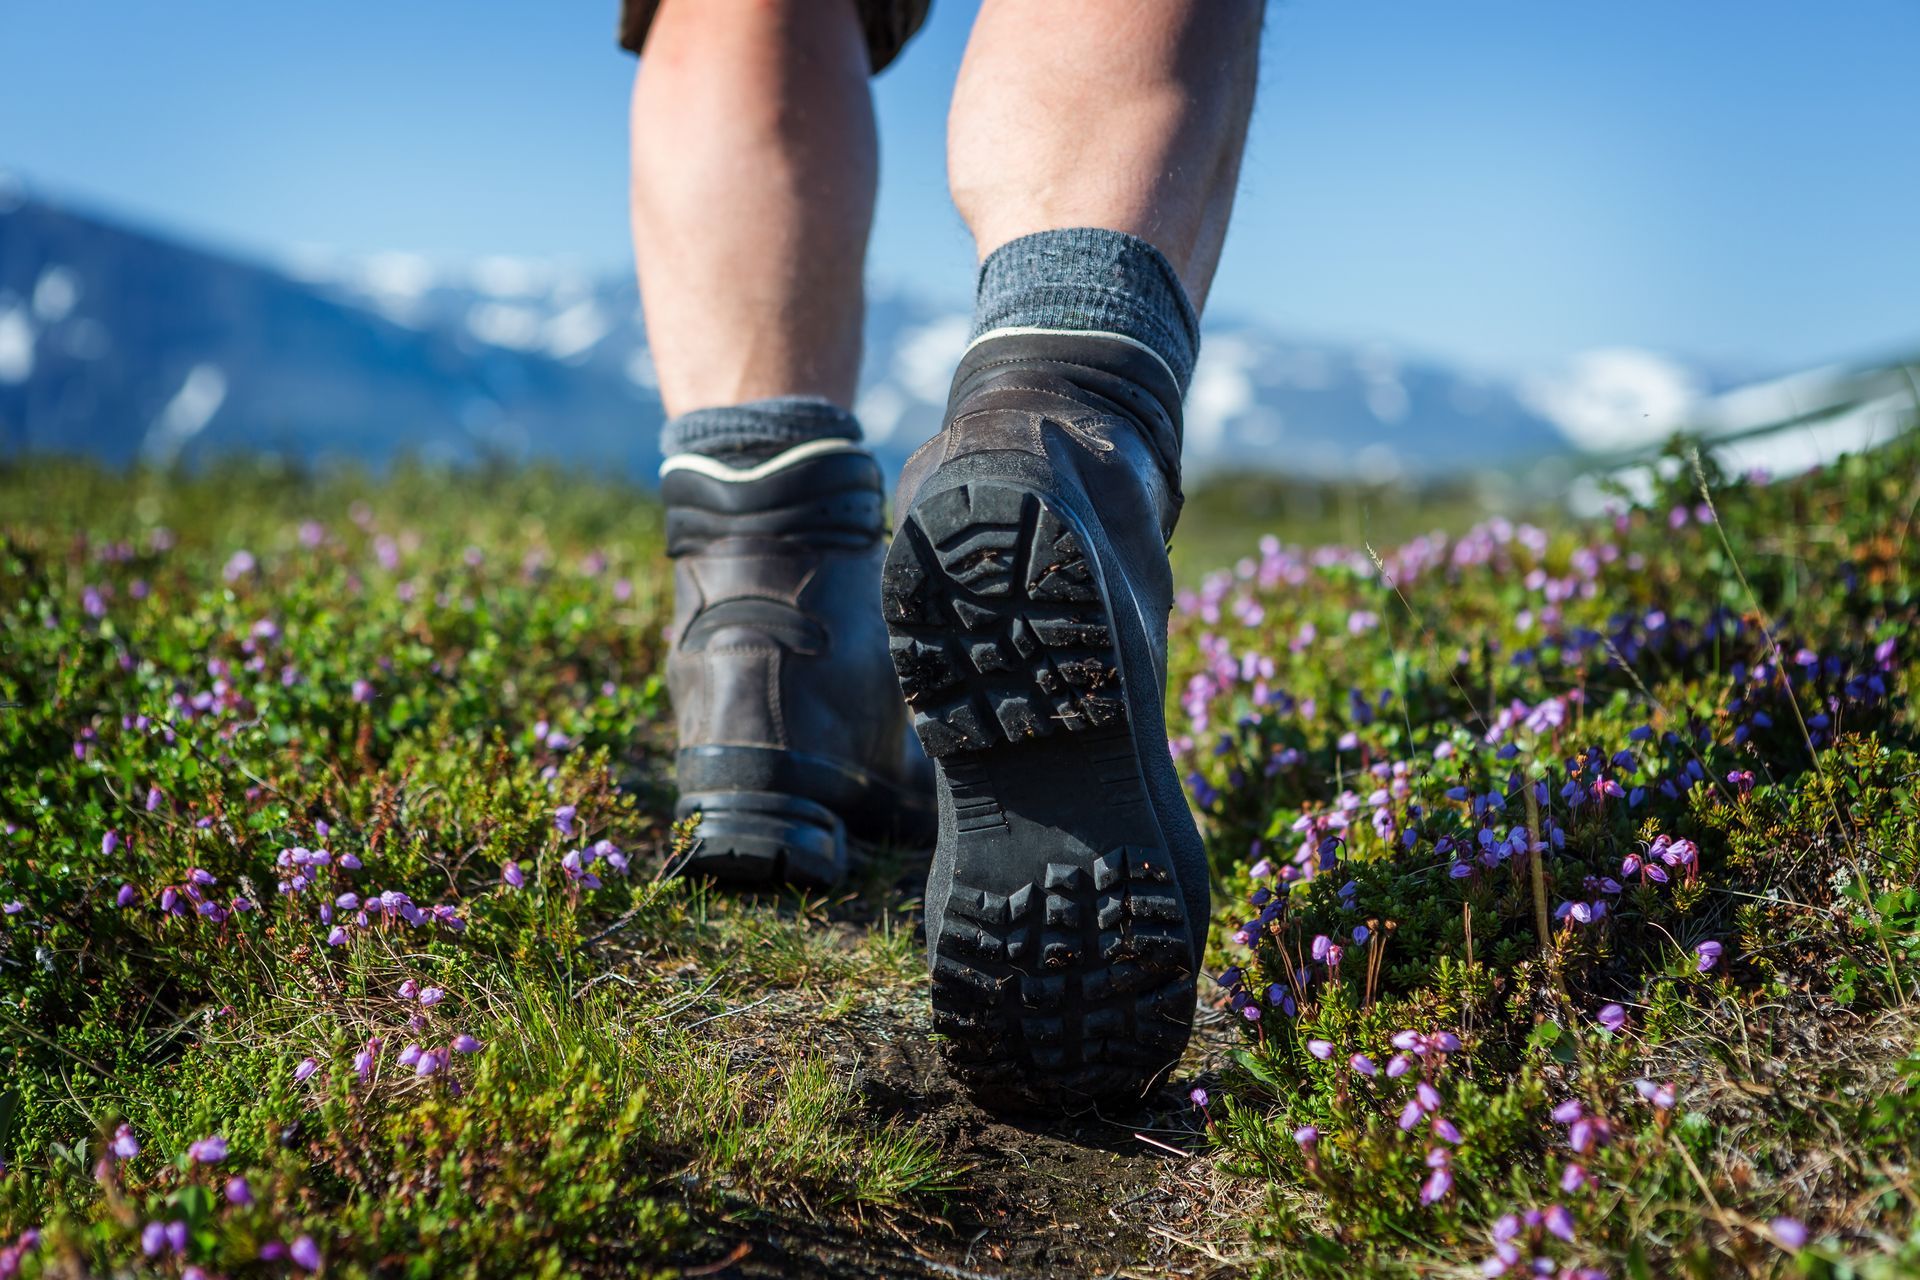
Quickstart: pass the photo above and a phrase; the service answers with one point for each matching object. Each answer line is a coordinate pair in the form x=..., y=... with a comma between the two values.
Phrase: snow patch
x=573, y=332
x=881, y=408
x=925, y=358
x=506, y=324
x=55, y=293
x=503, y=277
x=16, y=344
x=1615, y=398
x=186, y=415
x=1222, y=390
x=397, y=277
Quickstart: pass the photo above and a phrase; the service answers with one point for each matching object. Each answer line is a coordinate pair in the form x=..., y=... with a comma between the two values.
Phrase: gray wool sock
x=1090, y=278
x=758, y=429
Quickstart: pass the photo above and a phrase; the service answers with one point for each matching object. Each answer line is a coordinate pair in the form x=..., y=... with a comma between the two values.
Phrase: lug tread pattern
x=1104, y=1009
x=997, y=629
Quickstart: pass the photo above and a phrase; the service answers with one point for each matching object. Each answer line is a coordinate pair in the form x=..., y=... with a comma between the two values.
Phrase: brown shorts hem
x=889, y=24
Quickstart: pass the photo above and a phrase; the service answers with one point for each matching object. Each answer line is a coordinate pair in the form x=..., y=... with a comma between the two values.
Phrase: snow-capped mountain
x=1257, y=400
x=123, y=345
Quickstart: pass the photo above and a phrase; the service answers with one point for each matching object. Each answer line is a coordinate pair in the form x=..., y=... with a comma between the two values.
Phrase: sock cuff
x=760, y=427
x=1090, y=278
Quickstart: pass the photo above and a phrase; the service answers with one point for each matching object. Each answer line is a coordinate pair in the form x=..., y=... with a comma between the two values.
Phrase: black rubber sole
x=1061, y=955
x=762, y=838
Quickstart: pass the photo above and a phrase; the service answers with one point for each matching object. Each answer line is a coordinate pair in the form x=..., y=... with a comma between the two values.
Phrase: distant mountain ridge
x=122, y=345
x=125, y=345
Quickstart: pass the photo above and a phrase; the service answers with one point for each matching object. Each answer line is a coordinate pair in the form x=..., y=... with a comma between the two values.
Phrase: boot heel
x=760, y=837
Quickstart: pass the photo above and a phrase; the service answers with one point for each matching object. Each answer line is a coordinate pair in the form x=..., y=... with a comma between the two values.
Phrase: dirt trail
x=1077, y=1197
x=1095, y=1195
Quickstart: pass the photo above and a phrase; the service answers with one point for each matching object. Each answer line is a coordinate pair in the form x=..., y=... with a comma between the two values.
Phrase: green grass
x=1455, y=711
x=606, y=1121
x=440, y=668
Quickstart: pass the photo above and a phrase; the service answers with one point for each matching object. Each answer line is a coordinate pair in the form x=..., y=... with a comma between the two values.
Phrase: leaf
x=195, y=1203
x=1252, y=1064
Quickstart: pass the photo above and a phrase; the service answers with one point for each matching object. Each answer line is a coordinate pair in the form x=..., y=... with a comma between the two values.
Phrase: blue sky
x=1498, y=182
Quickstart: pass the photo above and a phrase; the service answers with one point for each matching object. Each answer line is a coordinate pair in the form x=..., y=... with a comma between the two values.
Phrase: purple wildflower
x=464, y=1043
x=239, y=1192
x=1707, y=955
x=110, y=841
x=432, y=996
x=125, y=1145
x=1660, y=1095
x=208, y=1150
x=1613, y=1017
x=1321, y=1049
x=511, y=875
x=563, y=819
x=305, y=1252
x=306, y=1068
x=1790, y=1232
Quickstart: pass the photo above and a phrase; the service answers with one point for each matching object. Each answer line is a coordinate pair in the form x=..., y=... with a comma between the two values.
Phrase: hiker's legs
x=1088, y=113
x=1093, y=150
x=753, y=180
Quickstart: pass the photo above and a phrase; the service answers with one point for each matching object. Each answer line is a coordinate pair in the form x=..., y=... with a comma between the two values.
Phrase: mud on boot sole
x=1061, y=955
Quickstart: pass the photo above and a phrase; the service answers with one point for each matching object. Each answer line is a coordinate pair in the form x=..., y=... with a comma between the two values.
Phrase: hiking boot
x=1027, y=593
x=792, y=737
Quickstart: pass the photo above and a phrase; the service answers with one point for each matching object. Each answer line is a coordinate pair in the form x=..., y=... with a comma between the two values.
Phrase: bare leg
x=754, y=164
x=1098, y=113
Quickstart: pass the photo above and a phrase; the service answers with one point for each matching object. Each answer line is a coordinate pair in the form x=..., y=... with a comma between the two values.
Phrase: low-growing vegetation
x=1569, y=926
x=330, y=940
x=1580, y=870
